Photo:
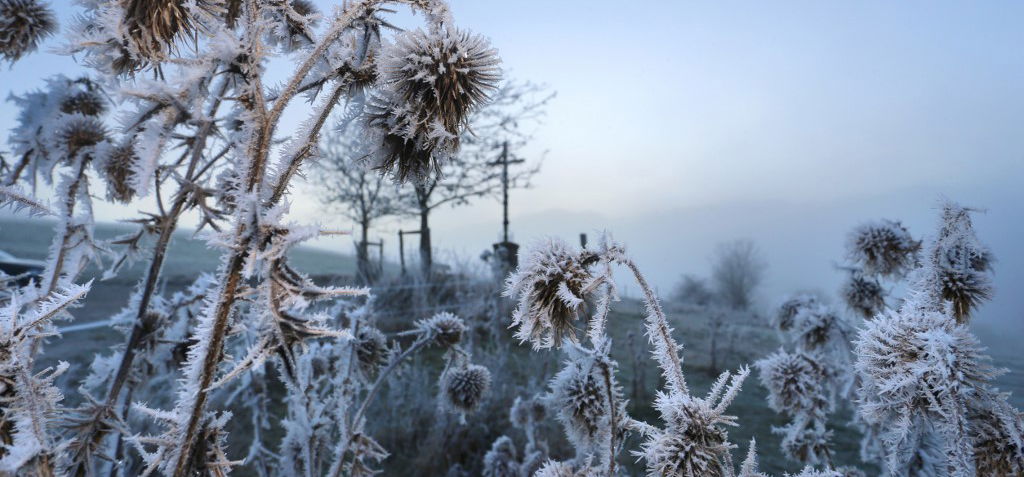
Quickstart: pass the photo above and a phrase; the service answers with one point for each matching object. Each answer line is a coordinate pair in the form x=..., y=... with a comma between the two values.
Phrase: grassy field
x=750, y=340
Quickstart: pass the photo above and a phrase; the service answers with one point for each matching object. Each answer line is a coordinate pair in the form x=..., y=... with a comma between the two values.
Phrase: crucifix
x=504, y=162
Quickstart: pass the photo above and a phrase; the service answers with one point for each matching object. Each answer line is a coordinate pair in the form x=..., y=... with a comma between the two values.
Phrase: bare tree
x=737, y=271
x=693, y=290
x=355, y=191
x=514, y=108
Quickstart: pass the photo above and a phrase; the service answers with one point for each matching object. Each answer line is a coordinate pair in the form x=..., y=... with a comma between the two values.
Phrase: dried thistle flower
x=863, y=295
x=694, y=441
x=84, y=99
x=501, y=459
x=960, y=263
x=371, y=349
x=580, y=397
x=794, y=381
x=444, y=329
x=153, y=26
x=550, y=286
x=784, y=318
x=117, y=170
x=918, y=367
x=432, y=81
x=80, y=132
x=997, y=430
x=23, y=24
x=884, y=248
x=464, y=386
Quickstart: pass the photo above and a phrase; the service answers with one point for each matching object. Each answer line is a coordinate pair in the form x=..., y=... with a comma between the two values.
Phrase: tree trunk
x=364, y=274
x=426, y=259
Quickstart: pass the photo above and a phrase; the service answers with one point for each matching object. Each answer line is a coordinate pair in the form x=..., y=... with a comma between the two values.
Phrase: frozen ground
x=750, y=339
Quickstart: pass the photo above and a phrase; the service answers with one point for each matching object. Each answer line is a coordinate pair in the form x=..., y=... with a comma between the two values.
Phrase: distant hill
x=187, y=255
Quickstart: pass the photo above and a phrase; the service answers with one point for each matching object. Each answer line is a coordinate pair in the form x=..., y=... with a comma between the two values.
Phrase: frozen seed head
x=692, y=445
x=550, y=287
x=997, y=431
x=443, y=329
x=80, y=132
x=371, y=349
x=85, y=99
x=885, y=248
x=863, y=295
x=501, y=460
x=960, y=263
x=789, y=309
x=464, y=387
x=793, y=381
x=153, y=26
x=579, y=399
x=117, y=170
x=432, y=81
x=23, y=24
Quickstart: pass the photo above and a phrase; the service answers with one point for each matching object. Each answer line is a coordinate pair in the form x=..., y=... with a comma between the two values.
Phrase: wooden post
x=583, y=240
x=401, y=245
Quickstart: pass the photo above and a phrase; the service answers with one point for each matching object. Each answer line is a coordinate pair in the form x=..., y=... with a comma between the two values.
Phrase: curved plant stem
x=667, y=354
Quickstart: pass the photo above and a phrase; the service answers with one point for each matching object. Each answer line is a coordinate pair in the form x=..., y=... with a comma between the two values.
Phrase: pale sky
x=681, y=124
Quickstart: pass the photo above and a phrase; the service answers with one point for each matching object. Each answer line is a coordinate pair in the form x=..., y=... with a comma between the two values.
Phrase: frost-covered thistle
x=431, y=81
x=153, y=26
x=371, y=349
x=549, y=286
x=584, y=397
x=785, y=317
x=464, y=386
x=80, y=132
x=501, y=460
x=85, y=100
x=918, y=368
x=997, y=430
x=885, y=248
x=959, y=264
x=117, y=172
x=863, y=295
x=444, y=329
x=694, y=441
x=794, y=381
x=23, y=24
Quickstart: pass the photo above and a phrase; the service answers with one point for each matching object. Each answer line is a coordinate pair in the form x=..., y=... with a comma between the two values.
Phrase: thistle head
x=960, y=263
x=80, y=132
x=863, y=295
x=501, y=459
x=85, y=98
x=117, y=171
x=550, y=286
x=884, y=248
x=154, y=26
x=431, y=83
x=580, y=396
x=23, y=24
x=371, y=349
x=794, y=381
x=443, y=329
x=463, y=387
x=785, y=317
